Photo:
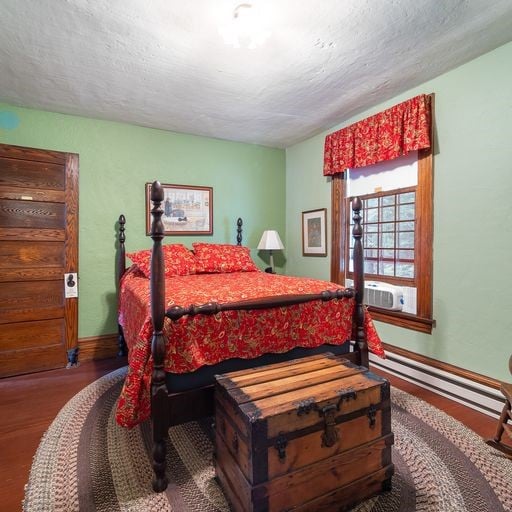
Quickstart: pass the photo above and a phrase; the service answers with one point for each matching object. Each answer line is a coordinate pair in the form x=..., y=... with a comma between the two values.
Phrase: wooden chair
x=506, y=415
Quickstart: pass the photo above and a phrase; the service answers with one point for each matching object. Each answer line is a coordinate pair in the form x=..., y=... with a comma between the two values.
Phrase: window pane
x=371, y=267
x=388, y=213
x=372, y=240
x=406, y=226
x=405, y=255
x=372, y=215
x=388, y=226
x=407, y=197
x=387, y=240
x=387, y=254
x=406, y=240
x=372, y=203
x=386, y=269
x=371, y=228
x=405, y=270
x=371, y=253
x=406, y=212
x=388, y=200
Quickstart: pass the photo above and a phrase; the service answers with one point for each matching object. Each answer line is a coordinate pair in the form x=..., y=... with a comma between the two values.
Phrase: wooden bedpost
x=120, y=270
x=357, y=233
x=159, y=409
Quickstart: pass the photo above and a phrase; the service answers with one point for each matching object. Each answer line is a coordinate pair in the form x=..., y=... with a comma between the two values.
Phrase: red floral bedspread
x=208, y=339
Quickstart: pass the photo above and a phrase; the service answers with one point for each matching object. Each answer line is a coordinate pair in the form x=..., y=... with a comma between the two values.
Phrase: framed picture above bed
x=314, y=239
x=188, y=210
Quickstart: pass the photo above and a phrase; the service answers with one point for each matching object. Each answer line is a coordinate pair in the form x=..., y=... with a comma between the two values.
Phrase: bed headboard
x=121, y=246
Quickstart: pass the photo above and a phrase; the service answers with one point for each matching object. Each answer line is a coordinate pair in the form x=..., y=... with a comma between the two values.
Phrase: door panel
x=38, y=246
x=25, y=254
x=24, y=173
x=48, y=357
x=23, y=335
x=31, y=300
x=31, y=214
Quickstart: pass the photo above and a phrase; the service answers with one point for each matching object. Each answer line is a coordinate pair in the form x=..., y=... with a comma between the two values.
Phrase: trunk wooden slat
x=299, y=435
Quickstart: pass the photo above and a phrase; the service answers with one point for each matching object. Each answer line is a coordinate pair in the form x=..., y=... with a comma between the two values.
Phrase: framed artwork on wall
x=314, y=237
x=188, y=210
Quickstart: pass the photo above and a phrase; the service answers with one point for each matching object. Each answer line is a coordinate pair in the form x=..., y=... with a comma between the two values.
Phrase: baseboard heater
x=467, y=392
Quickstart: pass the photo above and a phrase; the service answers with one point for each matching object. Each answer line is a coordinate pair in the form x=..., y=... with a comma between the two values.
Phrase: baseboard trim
x=97, y=347
x=477, y=391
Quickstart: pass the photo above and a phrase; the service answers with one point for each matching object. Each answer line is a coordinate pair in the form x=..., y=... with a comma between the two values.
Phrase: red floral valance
x=384, y=136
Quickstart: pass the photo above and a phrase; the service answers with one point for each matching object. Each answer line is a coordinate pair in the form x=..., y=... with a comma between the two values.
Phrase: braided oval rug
x=87, y=462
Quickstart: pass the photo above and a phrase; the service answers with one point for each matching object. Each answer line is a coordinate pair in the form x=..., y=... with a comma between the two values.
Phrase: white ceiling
x=163, y=63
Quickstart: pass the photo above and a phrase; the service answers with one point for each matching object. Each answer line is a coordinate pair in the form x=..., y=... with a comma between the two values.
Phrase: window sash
x=381, y=224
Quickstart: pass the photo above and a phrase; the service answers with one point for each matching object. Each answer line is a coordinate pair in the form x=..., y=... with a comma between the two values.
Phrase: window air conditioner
x=383, y=295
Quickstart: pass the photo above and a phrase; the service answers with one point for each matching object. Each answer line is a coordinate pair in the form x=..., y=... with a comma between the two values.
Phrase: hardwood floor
x=29, y=403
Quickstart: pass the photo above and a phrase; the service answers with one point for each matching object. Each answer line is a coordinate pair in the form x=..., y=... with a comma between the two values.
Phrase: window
x=389, y=234
x=397, y=225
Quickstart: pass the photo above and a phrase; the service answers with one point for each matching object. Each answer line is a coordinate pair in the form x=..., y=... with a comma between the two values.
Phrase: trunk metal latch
x=330, y=435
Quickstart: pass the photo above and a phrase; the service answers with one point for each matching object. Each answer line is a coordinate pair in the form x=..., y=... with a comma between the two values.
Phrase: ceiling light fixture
x=246, y=28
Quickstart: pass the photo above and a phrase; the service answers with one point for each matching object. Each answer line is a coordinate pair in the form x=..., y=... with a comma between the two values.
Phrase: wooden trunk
x=308, y=434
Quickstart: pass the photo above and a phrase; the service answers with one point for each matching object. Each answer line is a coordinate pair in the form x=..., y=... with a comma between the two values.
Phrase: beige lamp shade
x=270, y=241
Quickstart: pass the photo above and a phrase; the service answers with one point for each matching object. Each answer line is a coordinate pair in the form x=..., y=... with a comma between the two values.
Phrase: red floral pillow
x=223, y=258
x=142, y=259
x=178, y=260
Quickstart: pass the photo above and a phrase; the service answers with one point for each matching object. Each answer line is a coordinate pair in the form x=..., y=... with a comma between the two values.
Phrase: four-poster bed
x=174, y=351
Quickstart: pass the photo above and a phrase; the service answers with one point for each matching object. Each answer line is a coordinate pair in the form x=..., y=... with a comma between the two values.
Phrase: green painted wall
x=472, y=212
x=116, y=160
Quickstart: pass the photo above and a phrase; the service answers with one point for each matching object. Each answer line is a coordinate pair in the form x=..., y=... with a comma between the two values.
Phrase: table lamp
x=270, y=241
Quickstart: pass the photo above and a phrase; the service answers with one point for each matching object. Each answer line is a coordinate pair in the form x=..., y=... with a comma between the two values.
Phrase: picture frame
x=314, y=232
x=188, y=210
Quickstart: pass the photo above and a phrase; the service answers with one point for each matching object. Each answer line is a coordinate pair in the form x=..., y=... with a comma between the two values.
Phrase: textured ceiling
x=163, y=63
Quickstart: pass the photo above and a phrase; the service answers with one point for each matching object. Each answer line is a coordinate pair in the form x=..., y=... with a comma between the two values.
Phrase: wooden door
x=38, y=249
